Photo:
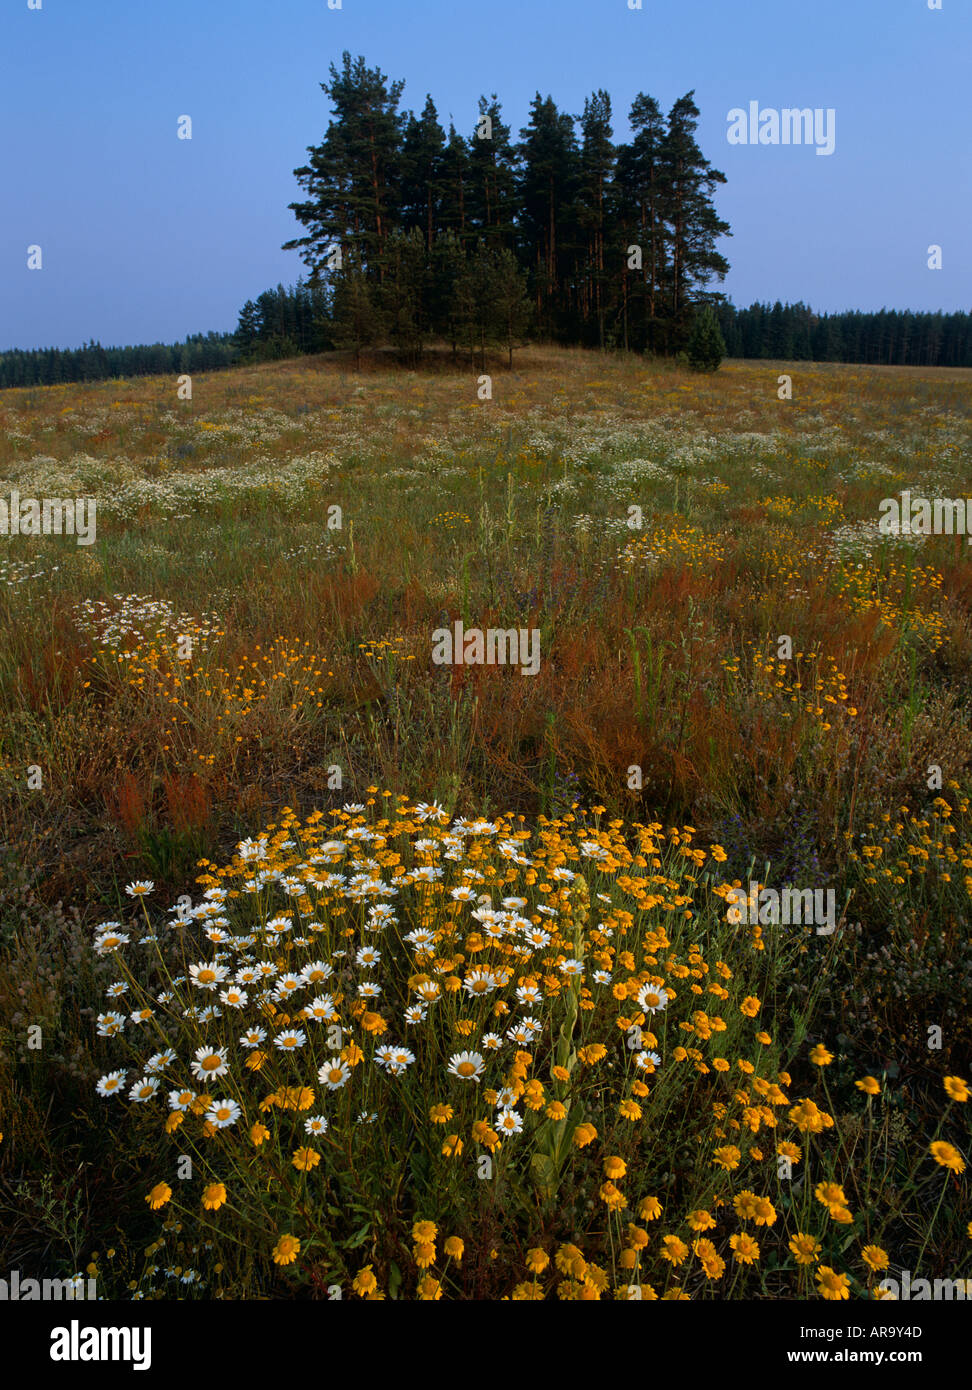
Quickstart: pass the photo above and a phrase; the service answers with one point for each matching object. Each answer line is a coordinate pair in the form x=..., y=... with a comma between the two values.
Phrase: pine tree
x=597, y=159
x=353, y=177
x=492, y=176
x=638, y=179
x=422, y=163
x=547, y=199
x=403, y=297
x=705, y=348
x=692, y=224
x=356, y=320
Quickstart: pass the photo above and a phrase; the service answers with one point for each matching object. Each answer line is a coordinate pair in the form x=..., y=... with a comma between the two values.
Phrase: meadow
x=330, y=971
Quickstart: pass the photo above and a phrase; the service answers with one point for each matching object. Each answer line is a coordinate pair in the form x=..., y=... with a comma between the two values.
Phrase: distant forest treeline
x=291, y=322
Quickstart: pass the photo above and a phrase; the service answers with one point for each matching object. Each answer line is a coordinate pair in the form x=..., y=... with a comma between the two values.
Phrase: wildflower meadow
x=332, y=972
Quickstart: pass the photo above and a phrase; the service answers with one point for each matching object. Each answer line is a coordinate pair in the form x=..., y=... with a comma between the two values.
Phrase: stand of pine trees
x=565, y=235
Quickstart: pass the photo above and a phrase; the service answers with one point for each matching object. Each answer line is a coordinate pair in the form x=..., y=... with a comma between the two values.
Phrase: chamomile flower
x=652, y=998
x=109, y=1024
x=207, y=975
x=317, y=1124
x=111, y=1084
x=107, y=941
x=209, y=1062
x=334, y=1075
x=160, y=1060
x=144, y=1089
x=467, y=1066
x=290, y=1039
x=223, y=1113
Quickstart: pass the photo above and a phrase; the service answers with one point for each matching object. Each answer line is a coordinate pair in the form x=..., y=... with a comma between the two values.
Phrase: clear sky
x=146, y=237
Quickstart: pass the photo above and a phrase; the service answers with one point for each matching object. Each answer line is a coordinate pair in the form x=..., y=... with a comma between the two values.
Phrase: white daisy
x=223, y=1113
x=468, y=1066
x=209, y=1062
x=144, y=1089
x=334, y=1075
x=111, y=1084
x=652, y=998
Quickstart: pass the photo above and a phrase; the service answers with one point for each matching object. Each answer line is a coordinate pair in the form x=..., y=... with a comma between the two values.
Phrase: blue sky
x=146, y=237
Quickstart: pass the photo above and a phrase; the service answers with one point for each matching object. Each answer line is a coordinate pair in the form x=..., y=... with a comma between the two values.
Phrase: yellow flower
x=452, y=1147
x=874, y=1257
x=214, y=1196
x=429, y=1289
x=424, y=1254
x=831, y=1194
x=615, y=1167
x=159, y=1195
x=637, y=1238
x=556, y=1111
x=560, y=1073
x=820, y=1057
x=629, y=1110
x=439, y=1114
x=832, y=1286
x=423, y=1231
x=805, y=1248
x=454, y=1248
x=174, y=1121
x=650, y=1209
x=584, y=1134
x=744, y=1204
x=947, y=1155
x=750, y=1006
x=712, y=1262
x=700, y=1220
x=674, y=1250
x=258, y=1133
x=611, y=1196
x=727, y=1157
x=745, y=1249
x=537, y=1260
x=957, y=1089
x=364, y=1282
x=869, y=1085
x=304, y=1159
x=286, y=1250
